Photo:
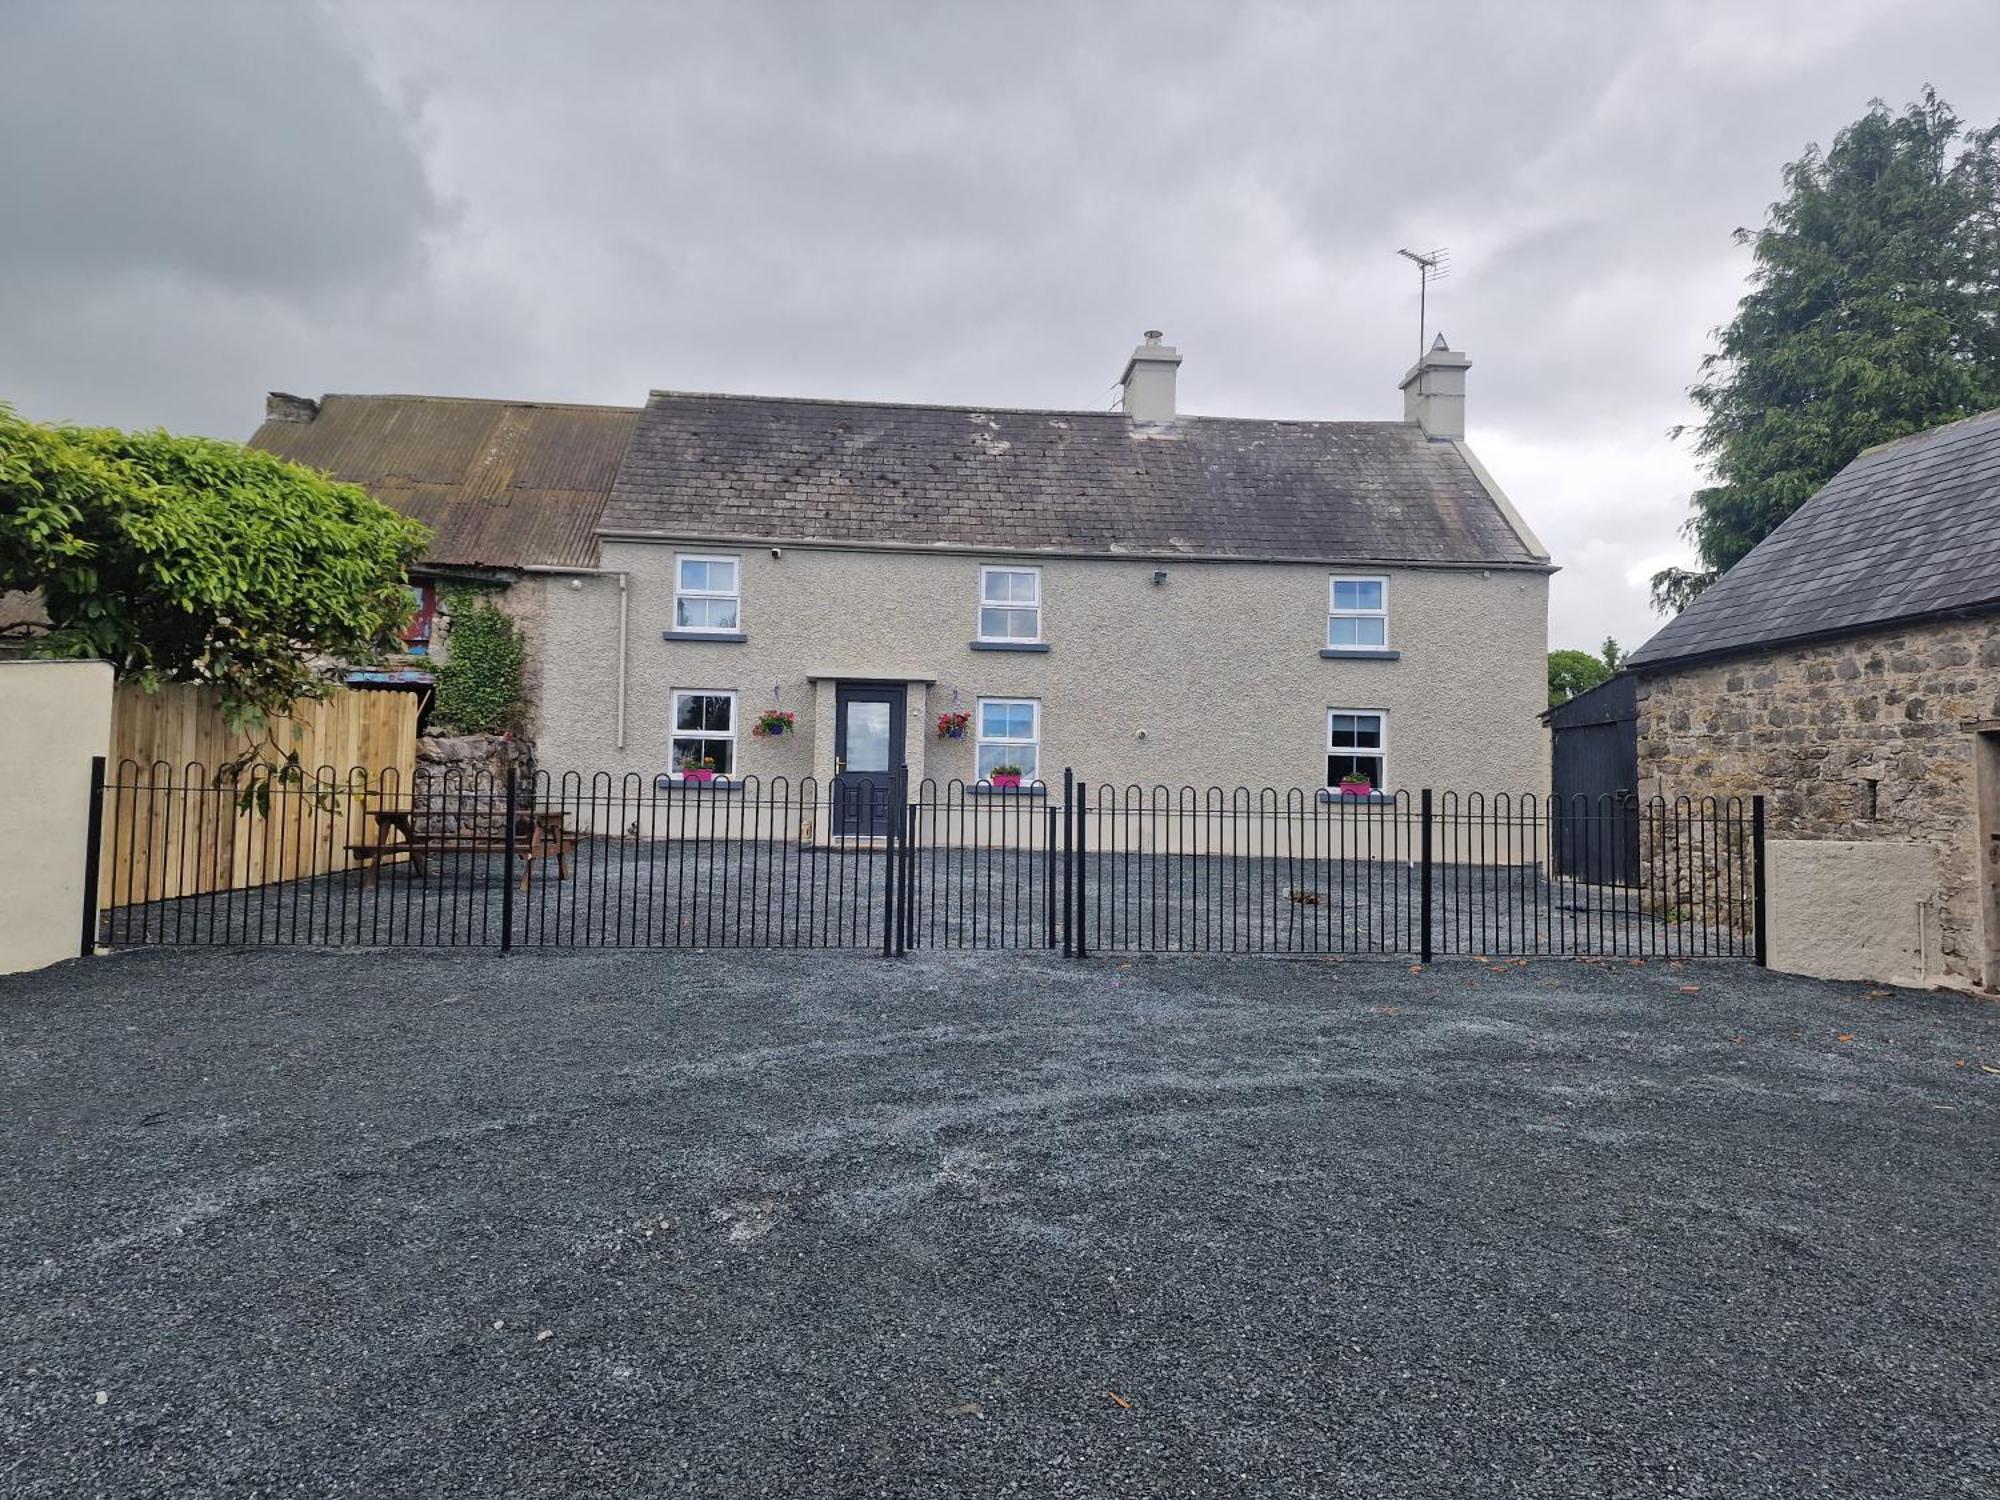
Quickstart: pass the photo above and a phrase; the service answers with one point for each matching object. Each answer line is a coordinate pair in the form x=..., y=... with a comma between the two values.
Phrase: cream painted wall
x=54, y=716
x=1847, y=909
x=1213, y=677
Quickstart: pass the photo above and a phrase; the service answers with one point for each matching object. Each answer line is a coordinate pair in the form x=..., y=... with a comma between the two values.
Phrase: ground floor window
x=1357, y=745
x=1010, y=737
x=704, y=731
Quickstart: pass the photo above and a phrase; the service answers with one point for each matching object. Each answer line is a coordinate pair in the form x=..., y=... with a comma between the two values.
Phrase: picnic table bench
x=463, y=827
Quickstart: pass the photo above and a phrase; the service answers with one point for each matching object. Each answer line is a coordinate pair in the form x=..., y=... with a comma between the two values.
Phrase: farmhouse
x=1850, y=666
x=1148, y=596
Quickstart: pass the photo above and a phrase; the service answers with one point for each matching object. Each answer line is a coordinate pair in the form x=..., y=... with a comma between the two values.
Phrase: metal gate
x=327, y=858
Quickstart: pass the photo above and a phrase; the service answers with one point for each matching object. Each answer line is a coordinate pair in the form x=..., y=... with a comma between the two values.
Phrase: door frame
x=857, y=811
x=1986, y=849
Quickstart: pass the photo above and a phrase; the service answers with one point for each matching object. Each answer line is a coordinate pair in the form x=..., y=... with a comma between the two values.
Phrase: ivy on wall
x=479, y=685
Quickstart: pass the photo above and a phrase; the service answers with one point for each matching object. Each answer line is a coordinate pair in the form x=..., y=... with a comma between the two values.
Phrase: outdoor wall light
x=1159, y=577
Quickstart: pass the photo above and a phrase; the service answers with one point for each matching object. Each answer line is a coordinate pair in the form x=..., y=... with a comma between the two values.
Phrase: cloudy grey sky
x=936, y=201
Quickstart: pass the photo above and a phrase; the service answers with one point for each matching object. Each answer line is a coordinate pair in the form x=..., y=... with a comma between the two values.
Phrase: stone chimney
x=1434, y=392
x=280, y=406
x=1149, y=380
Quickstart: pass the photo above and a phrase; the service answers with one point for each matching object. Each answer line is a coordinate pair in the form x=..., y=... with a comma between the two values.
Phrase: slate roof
x=1909, y=530
x=713, y=466
x=502, y=484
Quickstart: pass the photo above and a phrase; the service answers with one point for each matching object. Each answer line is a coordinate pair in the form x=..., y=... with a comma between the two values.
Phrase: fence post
x=1049, y=870
x=893, y=853
x=1069, y=870
x=507, y=885
x=1082, y=882
x=1424, y=904
x=906, y=869
x=1763, y=946
x=93, y=855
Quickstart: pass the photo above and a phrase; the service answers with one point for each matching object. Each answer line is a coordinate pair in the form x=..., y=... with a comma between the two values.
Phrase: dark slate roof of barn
x=712, y=466
x=1909, y=530
x=501, y=484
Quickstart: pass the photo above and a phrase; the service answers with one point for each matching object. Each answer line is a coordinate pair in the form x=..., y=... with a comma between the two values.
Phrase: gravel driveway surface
x=402, y=1224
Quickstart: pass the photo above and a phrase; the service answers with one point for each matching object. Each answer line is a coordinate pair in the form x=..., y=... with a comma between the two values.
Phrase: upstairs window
x=1010, y=734
x=705, y=594
x=417, y=634
x=1357, y=614
x=1357, y=745
x=1010, y=604
x=704, y=730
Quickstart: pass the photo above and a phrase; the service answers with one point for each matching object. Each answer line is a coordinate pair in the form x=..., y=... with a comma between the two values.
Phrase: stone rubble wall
x=474, y=755
x=1812, y=726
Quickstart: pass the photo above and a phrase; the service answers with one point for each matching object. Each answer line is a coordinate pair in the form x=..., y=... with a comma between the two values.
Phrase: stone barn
x=1849, y=669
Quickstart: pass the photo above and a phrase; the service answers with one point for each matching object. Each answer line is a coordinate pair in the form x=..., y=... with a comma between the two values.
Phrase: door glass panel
x=867, y=736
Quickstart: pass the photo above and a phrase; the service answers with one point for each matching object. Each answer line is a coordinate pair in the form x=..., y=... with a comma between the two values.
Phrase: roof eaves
x=1131, y=554
x=1641, y=663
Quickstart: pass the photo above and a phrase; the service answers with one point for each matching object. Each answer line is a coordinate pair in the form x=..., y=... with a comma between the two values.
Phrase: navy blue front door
x=868, y=750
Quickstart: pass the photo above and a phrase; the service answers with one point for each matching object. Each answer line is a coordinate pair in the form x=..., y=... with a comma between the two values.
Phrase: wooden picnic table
x=464, y=828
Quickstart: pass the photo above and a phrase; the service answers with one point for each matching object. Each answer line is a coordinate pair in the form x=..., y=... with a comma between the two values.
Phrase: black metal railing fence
x=331, y=857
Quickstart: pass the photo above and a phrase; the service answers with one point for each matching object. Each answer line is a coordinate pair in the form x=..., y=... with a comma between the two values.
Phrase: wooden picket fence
x=171, y=829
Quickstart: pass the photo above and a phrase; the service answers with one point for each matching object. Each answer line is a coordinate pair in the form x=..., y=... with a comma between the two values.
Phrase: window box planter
x=1355, y=789
x=697, y=776
x=1005, y=778
x=711, y=784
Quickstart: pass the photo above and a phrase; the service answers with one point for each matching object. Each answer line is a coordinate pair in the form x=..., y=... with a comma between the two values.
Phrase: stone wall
x=474, y=755
x=1864, y=739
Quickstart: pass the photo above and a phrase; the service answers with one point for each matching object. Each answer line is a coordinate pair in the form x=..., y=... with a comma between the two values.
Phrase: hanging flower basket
x=951, y=726
x=775, y=721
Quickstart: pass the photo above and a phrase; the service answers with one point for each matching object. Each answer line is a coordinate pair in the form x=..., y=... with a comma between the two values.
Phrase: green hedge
x=479, y=685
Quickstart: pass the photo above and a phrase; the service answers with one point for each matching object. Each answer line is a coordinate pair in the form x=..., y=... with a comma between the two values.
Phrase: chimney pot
x=1149, y=380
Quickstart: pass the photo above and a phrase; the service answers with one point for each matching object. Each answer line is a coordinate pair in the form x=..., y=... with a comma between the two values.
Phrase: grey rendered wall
x=54, y=716
x=1213, y=677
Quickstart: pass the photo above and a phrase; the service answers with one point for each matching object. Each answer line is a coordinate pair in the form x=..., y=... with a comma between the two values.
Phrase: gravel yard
x=744, y=1224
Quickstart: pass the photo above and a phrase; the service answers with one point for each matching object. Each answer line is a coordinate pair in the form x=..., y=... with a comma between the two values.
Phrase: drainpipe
x=624, y=623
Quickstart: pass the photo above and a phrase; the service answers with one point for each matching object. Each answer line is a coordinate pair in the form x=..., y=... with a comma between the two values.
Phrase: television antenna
x=1432, y=265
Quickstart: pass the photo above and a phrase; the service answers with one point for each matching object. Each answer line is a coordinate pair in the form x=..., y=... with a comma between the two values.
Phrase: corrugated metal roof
x=713, y=465
x=1907, y=531
x=502, y=484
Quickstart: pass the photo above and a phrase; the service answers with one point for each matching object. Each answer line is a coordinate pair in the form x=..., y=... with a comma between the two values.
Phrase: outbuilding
x=1849, y=668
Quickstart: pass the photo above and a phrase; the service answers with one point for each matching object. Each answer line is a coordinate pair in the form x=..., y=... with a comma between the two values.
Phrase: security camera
x=777, y=552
